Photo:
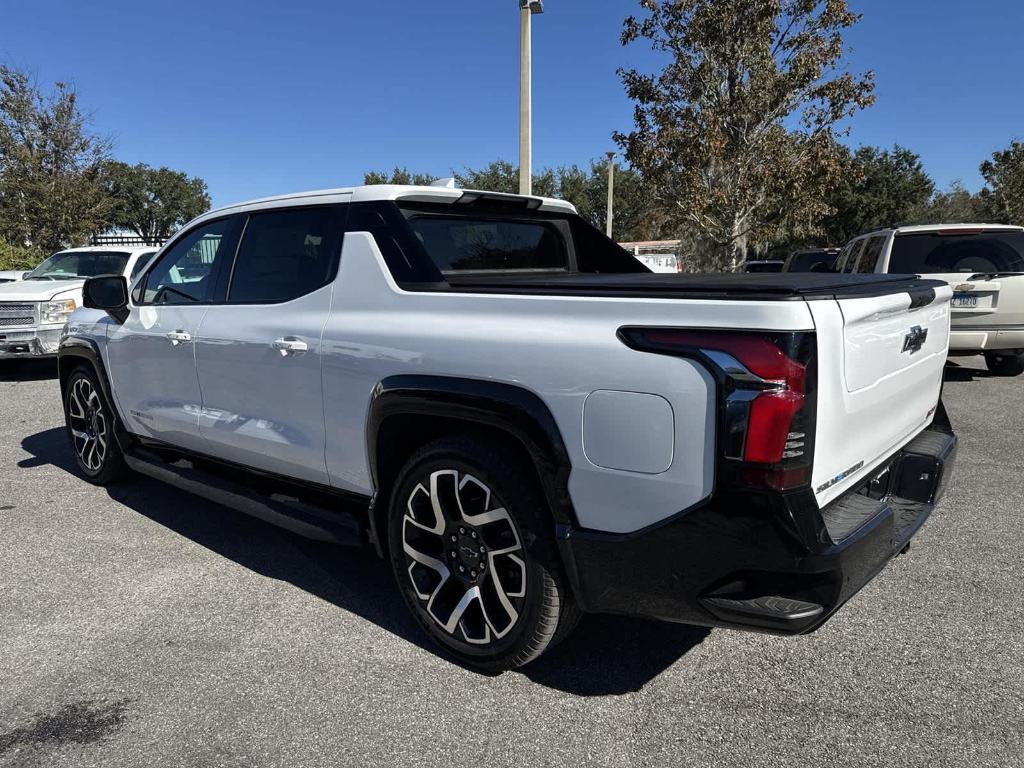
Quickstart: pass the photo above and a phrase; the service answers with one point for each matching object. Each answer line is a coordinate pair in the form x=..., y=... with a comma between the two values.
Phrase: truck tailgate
x=880, y=375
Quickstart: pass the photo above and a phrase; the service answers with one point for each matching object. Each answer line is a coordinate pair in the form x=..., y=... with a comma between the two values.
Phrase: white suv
x=33, y=310
x=984, y=263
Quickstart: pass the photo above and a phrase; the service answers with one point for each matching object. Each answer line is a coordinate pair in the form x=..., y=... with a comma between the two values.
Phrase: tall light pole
x=526, y=10
x=611, y=193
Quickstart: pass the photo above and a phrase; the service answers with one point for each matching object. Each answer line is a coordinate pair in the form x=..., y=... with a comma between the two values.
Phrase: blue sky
x=268, y=97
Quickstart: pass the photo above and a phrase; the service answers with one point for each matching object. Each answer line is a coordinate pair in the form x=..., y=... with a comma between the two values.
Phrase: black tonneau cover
x=749, y=286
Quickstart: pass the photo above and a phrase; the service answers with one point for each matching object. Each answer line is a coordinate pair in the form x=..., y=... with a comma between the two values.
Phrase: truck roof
x=131, y=250
x=376, y=192
x=921, y=228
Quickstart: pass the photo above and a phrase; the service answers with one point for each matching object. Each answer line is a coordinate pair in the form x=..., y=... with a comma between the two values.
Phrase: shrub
x=19, y=257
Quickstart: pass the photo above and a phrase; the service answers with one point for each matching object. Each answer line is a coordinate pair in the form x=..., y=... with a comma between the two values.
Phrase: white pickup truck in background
x=35, y=306
x=983, y=263
x=523, y=419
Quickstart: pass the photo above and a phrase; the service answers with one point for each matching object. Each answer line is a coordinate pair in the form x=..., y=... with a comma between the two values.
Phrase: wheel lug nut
x=462, y=531
x=473, y=534
x=481, y=550
x=462, y=569
x=472, y=574
x=454, y=538
x=452, y=554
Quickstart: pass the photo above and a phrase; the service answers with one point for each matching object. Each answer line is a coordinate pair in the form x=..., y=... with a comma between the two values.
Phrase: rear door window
x=286, y=254
x=479, y=244
x=848, y=257
x=951, y=251
x=870, y=255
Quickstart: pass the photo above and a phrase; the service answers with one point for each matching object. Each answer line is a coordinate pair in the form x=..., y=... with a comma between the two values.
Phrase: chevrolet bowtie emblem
x=915, y=339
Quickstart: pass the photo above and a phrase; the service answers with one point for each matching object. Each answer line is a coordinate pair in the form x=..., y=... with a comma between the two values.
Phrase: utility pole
x=526, y=10
x=611, y=193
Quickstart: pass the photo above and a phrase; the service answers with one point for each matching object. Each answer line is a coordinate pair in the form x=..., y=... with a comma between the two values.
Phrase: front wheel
x=472, y=550
x=1007, y=363
x=90, y=425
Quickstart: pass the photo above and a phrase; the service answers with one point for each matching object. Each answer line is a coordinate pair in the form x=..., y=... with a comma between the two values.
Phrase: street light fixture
x=526, y=10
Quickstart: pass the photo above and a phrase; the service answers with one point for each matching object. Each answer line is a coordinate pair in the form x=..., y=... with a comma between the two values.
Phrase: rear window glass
x=802, y=262
x=930, y=253
x=469, y=244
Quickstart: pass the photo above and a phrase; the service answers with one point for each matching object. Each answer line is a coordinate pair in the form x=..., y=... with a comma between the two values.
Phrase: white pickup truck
x=518, y=415
x=35, y=307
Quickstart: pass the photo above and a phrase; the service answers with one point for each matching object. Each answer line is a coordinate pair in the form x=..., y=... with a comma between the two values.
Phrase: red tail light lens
x=766, y=399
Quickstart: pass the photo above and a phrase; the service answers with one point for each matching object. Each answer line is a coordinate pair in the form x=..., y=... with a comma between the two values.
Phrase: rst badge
x=915, y=339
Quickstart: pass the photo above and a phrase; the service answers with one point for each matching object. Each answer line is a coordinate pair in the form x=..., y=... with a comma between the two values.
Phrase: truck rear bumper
x=965, y=338
x=762, y=561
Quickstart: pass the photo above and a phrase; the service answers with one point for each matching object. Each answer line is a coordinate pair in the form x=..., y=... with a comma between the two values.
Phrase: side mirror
x=108, y=293
x=25, y=274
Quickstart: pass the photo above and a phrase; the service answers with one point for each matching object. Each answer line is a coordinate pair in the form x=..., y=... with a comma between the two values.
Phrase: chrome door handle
x=179, y=337
x=290, y=345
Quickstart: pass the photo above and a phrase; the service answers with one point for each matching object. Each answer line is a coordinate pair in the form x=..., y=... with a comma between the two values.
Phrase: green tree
x=736, y=137
x=955, y=205
x=878, y=188
x=51, y=188
x=1003, y=195
x=498, y=176
x=153, y=202
x=586, y=188
x=398, y=176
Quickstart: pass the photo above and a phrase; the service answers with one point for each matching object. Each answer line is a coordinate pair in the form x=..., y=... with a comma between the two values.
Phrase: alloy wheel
x=464, y=557
x=90, y=428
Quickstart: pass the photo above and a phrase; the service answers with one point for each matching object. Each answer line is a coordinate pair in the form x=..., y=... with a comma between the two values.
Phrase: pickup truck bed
x=741, y=286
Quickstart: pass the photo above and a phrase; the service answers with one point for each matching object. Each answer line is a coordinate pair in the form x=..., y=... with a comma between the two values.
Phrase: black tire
x=1007, y=363
x=515, y=600
x=90, y=423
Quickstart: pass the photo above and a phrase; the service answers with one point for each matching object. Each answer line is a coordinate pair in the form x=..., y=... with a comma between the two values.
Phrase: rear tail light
x=767, y=403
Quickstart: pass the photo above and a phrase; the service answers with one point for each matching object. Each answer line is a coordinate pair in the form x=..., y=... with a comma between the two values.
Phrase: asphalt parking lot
x=140, y=626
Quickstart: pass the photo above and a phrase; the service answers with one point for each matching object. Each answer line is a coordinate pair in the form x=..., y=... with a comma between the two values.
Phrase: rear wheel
x=90, y=425
x=1008, y=362
x=472, y=550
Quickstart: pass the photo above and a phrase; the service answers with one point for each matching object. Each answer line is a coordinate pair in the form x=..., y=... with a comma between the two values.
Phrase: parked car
x=766, y=265
x=33, y=311
x=12, y=275
x=811, y=260
x=984, y=263
x=518, y=415
x=661, y=262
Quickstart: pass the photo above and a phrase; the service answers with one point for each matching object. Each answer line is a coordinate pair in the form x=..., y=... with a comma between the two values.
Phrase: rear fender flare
x=511, y=409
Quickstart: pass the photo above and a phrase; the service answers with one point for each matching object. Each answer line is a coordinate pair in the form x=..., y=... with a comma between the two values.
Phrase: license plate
x=964, y=300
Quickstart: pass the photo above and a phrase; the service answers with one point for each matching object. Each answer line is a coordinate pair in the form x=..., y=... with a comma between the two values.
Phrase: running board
x=295, y=515
x=766, y=611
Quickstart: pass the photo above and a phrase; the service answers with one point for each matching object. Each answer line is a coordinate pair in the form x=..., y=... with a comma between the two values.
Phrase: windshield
x=969, y=252
x=72, y=265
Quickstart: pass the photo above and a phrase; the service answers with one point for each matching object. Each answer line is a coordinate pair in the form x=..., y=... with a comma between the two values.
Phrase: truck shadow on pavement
x=959, y=373
x=28, y=369
x=606, y=655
